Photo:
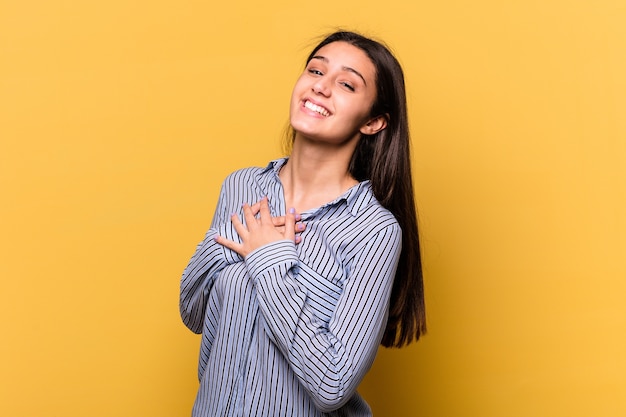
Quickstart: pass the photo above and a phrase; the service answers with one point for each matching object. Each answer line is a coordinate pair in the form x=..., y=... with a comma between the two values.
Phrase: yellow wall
x=119, y=119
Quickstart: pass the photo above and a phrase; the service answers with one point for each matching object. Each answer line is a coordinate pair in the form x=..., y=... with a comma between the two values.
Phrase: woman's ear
x=375, y=125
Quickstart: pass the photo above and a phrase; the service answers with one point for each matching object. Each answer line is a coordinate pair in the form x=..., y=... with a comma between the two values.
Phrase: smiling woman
x=313, y=261
x=335, y=83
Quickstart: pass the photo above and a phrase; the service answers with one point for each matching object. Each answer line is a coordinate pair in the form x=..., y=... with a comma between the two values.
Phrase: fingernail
x=292, y=210
x=216, y=238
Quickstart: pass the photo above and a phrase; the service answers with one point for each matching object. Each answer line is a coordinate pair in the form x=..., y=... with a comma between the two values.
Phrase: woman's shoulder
x=368, y=210
x=251, y=173
x=242, y=174
x=245, y=175
x=244, y=180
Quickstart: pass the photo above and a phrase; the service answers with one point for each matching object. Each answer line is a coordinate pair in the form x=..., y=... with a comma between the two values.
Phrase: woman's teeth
x=316, y=108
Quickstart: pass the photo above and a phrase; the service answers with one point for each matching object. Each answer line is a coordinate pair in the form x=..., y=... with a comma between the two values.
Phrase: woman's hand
x=260, y=231
x=279, y=221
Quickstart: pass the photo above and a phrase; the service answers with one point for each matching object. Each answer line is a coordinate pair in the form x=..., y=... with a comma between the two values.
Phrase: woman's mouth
x=317, y=109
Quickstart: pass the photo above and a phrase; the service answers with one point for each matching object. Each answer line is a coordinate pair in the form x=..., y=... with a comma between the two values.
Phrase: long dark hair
x=384, y=159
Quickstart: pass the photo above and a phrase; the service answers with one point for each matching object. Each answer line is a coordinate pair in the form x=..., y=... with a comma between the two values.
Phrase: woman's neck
x=313, y=177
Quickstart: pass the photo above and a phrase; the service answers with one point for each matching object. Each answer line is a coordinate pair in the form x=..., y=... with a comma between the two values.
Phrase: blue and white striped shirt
x=291, y=329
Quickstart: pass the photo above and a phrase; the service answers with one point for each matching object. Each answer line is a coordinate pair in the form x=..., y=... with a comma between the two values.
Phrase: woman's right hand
x=279, y=222
x=260, y=228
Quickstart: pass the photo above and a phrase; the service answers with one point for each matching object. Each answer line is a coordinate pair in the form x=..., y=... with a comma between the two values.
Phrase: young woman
x=314, y=261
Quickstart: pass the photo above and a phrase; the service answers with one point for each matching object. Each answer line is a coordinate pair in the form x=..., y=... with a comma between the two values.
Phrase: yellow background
x=119, y=120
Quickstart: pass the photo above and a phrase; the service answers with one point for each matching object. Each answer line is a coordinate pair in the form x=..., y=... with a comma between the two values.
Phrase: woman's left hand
x=260, y=231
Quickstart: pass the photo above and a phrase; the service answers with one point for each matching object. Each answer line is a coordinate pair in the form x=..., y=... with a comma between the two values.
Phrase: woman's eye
x=315, y=72
x=348, y=86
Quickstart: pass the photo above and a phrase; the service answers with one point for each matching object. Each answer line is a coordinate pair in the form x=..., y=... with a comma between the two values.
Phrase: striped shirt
x=291, y=329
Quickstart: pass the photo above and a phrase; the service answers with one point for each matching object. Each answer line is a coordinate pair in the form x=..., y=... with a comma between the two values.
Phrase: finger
x=255, y=207
x=290, y=224
x=238, y=225
x=237, y=247
x=248, y=215
x=264, y=210
x=278, y=221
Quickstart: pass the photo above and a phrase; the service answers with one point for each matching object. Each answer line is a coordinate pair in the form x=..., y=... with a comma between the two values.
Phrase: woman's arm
x=207, y=261
x=329, y=359
x=210, y=257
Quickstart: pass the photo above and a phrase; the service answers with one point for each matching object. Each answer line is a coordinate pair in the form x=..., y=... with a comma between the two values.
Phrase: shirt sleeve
x=329, y=358
x=205, y=264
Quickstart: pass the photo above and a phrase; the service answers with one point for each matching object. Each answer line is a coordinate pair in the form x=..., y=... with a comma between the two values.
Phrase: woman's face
x=333, y=97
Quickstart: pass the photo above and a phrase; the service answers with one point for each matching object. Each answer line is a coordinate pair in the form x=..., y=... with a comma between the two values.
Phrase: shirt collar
x=356, y=198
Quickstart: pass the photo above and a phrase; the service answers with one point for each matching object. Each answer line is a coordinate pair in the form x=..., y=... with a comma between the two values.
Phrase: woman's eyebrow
x=349, y=69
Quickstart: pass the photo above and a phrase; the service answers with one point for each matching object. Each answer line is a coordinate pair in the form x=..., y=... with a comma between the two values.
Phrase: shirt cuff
x=278, y=257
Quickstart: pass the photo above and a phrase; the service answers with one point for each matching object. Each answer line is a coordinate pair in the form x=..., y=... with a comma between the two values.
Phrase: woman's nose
x=321, y=87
